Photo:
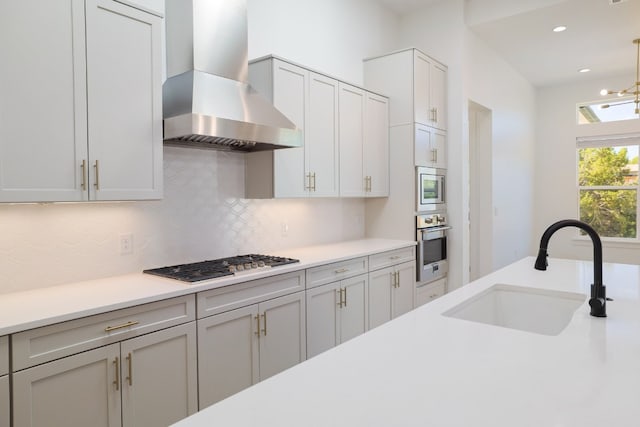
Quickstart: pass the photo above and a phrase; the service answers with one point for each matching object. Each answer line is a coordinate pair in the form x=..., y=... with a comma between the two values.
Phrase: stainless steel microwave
x=430, y=188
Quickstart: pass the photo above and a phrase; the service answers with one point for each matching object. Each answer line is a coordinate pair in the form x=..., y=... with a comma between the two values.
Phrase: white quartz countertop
x=39, y=307
x=425, y=369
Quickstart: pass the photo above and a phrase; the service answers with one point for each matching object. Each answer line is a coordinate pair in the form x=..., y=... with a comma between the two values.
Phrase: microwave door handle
x=442, y=188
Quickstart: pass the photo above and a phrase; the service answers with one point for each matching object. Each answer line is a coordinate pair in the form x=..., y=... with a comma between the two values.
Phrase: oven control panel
x=430, y=220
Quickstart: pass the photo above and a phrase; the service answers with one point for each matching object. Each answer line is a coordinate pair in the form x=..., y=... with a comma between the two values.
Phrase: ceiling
x=599, y=35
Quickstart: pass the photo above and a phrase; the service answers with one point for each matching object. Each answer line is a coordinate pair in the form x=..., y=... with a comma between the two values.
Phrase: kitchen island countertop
x=426, y=369
x=24, y=310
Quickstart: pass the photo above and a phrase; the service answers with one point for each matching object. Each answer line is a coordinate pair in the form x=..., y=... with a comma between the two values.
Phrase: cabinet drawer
x=328, y=273
x=430, y=291
x=4, y=355
x=240, y=295
x=396, y=256
x=63, y=339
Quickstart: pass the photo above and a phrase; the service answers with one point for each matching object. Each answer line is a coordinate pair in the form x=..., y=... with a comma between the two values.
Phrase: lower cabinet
x=4, y=401
x=391, y=292
x=240, y=347
x=5, y=415
x=336, y=312
x=430, y=291
x=144, y=381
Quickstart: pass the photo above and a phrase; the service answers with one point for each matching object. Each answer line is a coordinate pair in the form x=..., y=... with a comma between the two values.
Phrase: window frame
x=605, y=141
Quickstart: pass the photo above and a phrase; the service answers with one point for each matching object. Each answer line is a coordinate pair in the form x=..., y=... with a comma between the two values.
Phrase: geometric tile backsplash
x=203, y=215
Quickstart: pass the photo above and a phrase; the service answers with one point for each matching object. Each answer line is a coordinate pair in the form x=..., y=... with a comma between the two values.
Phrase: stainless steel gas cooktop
x=212, y=269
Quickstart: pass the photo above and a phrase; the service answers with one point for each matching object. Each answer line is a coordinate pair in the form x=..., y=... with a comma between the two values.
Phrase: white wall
x=477, y=74
x=556, y=195
x=332, y=36
x=203, y=214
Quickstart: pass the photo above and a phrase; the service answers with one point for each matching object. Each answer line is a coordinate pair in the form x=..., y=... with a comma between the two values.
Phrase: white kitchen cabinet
x=430, y=291
x=364, y=143
x=420, y=97
x=240, y=347
x=80, y=112
x=336, y=312
x=5, y=414
x=430, y=147
x=310, y=101
x=61, y=378
x=391, y=292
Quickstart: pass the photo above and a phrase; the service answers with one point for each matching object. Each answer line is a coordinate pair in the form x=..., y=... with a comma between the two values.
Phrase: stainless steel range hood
x=207, y=101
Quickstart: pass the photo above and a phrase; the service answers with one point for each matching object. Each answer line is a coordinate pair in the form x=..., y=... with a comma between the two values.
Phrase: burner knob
x=232, y=268
x=239, y=267
x=247, y=266
x=261, y=264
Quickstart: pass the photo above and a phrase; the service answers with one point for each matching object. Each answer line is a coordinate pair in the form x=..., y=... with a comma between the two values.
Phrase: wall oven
x=431, y=235
x=430, y=189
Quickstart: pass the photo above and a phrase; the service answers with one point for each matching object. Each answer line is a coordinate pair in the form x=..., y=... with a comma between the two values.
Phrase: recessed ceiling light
x=584, y=70
x=559, y=29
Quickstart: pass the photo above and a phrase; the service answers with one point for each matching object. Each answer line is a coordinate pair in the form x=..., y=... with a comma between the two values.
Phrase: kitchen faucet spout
x=598, y=301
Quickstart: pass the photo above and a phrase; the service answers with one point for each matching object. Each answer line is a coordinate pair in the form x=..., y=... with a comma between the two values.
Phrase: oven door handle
x=431, y=229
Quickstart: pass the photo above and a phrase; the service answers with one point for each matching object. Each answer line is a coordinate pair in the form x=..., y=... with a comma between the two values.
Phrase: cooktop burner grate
x=212, y=269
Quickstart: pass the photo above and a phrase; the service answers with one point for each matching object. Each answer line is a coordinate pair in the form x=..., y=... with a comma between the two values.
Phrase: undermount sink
x=535, y=310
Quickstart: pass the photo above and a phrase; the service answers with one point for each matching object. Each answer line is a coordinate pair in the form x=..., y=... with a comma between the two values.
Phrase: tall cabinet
x=418, y=135
x=80, y=111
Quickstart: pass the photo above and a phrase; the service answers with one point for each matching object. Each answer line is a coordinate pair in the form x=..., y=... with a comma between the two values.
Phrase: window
x=606, y=111
x=608, y=184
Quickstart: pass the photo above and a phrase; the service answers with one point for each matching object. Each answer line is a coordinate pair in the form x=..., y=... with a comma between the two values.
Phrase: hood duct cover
x=207, y=101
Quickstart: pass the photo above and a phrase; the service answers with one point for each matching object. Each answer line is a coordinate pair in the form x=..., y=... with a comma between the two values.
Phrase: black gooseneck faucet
x=598, y=301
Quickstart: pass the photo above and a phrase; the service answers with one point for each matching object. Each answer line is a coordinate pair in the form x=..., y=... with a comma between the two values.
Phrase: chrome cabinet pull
x=97, y=171
x=345, y=296
x=124, y=325
x=394, y=257
x=116, y=381
x=129, y=362
x=307, y=182
x=398, y=278
x=83, y=168
x=264, y=318
x=341, y=270
x=314, y=181
x=339, y=294
x=436, y=152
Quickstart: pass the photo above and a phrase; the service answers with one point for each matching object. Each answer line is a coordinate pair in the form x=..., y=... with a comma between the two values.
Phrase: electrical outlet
x=284, y=229
x=126, y=243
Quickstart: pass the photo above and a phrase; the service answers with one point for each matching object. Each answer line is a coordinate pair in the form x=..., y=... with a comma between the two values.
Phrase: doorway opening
x=480, y=221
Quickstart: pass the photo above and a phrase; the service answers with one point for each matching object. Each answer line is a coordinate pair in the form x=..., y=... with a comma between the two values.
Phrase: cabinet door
x=421, y=79
x=76, y=391
x=289, y=96
x=402, y=298
x=438, y=87
x=124, y=102
x=423, y=153
x=321, y=143
x=4, y=401
x=354, y=313
x=380, y=289
x=323, y=305
x=227, y=354
x=43, y=135
x=430, y=291
x=351, y=139
x=159, y=377
x=283, y=339
x=376, y=145
x=439, y=147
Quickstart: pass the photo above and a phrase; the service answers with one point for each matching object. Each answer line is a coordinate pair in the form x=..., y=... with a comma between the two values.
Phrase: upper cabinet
x=80, y=111
x=364, y=143
x=420, y=98
x=310, y=100
x=346, y=137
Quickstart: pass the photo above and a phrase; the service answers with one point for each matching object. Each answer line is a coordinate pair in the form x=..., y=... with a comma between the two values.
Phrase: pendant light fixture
x=634, y=89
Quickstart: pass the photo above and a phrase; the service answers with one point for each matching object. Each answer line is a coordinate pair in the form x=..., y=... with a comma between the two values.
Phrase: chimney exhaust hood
x=207, y=101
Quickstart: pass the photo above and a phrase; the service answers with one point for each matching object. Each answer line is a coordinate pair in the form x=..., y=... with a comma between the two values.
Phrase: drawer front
x=396, y=256
x=431, y=291
x=41, y=345
x=239, y=295
x=333, y=272
x=4, y=355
